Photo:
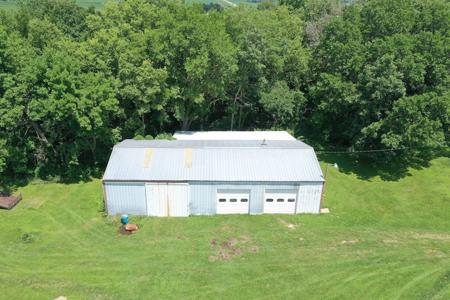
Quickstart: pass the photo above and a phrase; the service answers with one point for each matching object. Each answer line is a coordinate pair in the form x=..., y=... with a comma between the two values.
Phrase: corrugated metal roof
x=233, y=135
x=279, y=161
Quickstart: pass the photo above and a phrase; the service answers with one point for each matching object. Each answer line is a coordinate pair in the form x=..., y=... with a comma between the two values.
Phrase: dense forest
x=368, y=75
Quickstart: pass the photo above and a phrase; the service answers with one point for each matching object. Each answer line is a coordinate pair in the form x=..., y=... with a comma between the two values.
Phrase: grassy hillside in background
x=7, y=4
x=100, y=3
x=224, y=3
x=382, y=240
x=85, y=3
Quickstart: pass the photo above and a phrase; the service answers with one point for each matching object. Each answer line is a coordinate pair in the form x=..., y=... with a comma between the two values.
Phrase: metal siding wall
x=156, y=199
x=256, y=198
x=202, y=199
x=203, y=195
x=309, y=195
x=128, y=198
x=178, y=195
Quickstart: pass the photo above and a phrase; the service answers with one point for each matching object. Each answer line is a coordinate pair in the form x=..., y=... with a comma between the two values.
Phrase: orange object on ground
x=131, y=227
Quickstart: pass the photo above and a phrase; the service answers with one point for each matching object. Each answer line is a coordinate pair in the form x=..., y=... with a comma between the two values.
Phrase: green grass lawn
x=382, y=240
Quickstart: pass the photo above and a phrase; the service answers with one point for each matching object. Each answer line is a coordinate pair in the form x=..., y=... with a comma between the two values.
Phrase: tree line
x=362, y=75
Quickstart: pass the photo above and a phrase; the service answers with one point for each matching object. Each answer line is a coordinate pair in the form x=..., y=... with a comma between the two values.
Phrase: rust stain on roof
x=188, y=158
x=148, y=157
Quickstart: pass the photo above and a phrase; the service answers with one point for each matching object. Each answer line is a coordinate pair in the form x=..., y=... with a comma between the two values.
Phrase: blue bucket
x=124, y=219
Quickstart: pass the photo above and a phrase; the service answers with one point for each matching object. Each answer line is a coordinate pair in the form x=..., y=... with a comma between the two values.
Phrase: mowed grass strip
x=382, y=240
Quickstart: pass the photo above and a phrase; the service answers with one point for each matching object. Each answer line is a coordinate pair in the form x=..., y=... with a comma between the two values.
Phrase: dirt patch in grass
x=122, y=231
x=349, y=242
x=432, y=236
x=227, y=228
x=435, y=253
x=245, y=238
x=288, y=225
x=231, y=247
x=34, y=203
x=30, y=237
x=390, y=241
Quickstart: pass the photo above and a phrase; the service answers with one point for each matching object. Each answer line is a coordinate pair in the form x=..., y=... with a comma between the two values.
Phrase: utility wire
x=364, y=151
x=371, y=151
x=375, y=150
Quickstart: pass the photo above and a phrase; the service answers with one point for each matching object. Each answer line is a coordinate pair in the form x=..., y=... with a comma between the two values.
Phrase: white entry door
x=167, y=199
x=233, y=201
x=280, y=201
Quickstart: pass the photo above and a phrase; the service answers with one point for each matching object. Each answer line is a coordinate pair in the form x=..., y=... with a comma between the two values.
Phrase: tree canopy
x=365, y=75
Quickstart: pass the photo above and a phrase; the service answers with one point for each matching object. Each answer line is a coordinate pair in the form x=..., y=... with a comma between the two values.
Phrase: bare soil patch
x=349, y=242
x=435, y=253
x=123, y=231
x=231, y=247
x=288, y=225
x=390, y=241
x=324, y=210
x=433, y=236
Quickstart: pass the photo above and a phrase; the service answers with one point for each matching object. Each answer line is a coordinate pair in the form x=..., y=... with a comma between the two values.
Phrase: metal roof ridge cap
x=211, y=144
x=226, y=147
x=218, y=147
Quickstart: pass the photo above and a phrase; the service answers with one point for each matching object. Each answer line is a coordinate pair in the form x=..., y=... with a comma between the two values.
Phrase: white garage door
x=167, y=199
x=280, y=201
x=233, y=201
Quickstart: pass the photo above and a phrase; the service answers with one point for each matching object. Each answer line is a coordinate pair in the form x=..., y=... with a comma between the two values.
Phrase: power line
x=364, y=151
x=374, y=150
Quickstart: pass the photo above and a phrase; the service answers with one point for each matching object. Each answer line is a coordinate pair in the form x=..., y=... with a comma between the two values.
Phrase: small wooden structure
x=8, y=202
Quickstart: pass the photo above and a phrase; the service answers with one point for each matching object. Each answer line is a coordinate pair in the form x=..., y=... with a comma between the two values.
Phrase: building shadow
x=10, y=184
x=366, y=167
